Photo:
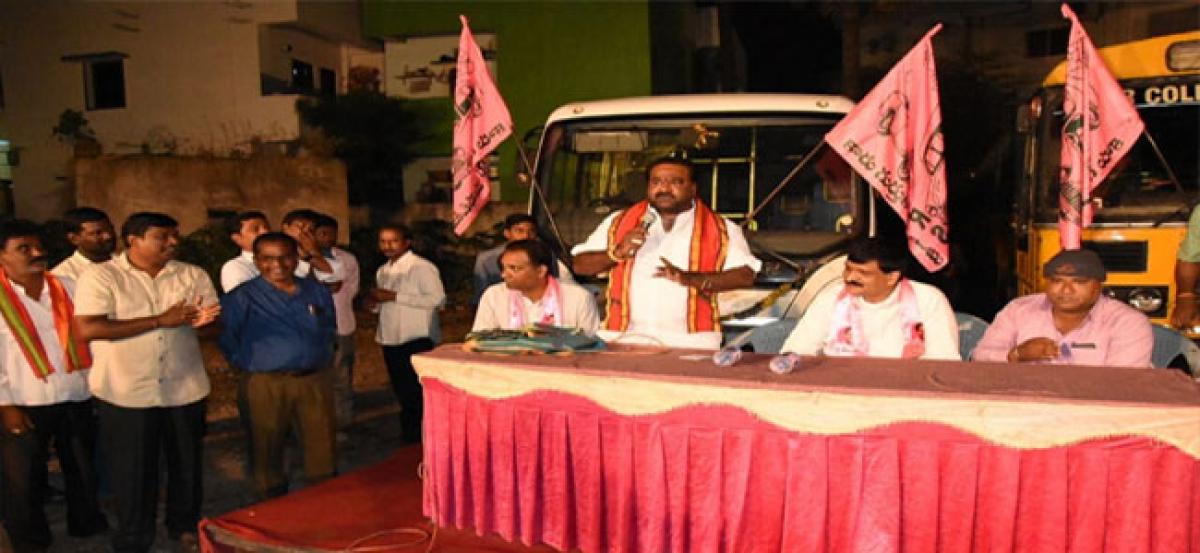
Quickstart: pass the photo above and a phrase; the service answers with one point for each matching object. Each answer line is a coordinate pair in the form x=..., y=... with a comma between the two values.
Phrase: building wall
x=188, y=188
x=992, y=35
x=549, y=53
x=191, y=79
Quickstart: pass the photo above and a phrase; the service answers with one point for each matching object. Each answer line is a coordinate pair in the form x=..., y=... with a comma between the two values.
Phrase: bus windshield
x=1140, y=188
x=590, y=168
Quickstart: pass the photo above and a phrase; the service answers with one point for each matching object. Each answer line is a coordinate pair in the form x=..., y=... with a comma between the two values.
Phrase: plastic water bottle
x=727, y=356
x=786, y=363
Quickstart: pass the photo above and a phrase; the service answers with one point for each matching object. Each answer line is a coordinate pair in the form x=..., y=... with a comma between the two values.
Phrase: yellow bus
x=1143, y=206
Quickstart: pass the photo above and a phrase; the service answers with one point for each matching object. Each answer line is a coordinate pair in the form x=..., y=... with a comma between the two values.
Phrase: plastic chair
x=769, y=338
x=970, y=331
x=1169, y=344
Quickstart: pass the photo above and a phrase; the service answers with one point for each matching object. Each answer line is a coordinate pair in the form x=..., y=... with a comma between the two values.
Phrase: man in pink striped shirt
x=1072, y=322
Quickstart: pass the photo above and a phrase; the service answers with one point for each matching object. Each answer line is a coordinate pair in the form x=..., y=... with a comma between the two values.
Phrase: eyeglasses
x=673, y=181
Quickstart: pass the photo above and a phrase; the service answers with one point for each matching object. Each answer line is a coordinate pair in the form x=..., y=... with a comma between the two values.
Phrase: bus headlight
x=1146, y=300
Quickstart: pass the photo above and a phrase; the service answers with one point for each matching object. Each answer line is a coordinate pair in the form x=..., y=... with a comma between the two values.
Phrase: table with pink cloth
x=660, y=451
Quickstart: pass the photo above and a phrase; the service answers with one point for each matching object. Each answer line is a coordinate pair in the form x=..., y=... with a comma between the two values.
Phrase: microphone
x=648, y=220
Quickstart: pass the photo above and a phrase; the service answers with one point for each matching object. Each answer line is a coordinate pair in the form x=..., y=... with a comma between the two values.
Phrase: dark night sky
x=790, y=46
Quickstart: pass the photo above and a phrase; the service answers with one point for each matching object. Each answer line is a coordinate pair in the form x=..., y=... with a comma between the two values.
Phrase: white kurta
x=18, y=383
x=579, y=308
x=658, y=307
x=882, y=324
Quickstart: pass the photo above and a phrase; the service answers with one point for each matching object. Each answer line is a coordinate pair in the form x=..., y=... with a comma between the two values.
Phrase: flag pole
x=537, y=191
x=779, y=187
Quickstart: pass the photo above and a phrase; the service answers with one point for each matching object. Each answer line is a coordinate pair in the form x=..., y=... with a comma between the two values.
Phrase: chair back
x=769, y=338
x=970, y=331
x=1169, y=344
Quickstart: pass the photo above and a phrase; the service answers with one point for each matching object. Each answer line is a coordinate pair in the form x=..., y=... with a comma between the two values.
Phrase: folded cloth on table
x=538, y=338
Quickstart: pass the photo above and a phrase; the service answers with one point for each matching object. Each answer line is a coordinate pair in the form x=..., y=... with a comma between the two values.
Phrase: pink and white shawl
x=846, y=335
x=552, y=306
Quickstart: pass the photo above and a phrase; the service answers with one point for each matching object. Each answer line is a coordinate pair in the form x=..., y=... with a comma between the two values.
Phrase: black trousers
x=133, y=439
x=406, y=385
x=69, y=425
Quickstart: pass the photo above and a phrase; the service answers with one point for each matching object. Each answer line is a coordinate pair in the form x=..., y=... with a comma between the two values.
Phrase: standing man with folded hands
x=141, y=311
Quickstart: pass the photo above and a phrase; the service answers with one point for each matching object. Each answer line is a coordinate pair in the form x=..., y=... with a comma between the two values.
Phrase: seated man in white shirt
x=530, y=295
x=667, y=258
x=877, y=312
x=518, y=226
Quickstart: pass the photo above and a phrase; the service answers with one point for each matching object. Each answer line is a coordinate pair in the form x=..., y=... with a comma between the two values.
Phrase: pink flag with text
x=1100, y=125
x=893, y=139
x=483, y=123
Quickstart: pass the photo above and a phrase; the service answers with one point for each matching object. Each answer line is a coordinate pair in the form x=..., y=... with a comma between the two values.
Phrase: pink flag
x=1100, y=125
x=893, y=138
x=483, y=123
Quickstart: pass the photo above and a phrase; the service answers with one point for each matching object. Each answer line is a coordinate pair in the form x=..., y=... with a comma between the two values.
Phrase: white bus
x=593, y=156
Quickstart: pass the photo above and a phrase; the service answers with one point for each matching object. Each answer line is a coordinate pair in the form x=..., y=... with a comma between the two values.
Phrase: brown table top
x=1026, y=382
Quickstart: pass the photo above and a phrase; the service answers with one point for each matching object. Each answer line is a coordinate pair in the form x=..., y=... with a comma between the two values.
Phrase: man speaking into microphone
x=667, y=257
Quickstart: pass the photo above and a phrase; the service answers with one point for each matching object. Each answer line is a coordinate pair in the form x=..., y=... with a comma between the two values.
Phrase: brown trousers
x=276, y=403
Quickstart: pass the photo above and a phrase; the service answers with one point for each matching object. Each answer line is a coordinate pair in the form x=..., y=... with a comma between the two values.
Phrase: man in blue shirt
x=279, y=332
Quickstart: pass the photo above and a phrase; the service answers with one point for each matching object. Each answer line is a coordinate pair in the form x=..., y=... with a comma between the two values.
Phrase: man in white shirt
x=244, y=227
x=301, y=224
x=326, y=232
x=667, y=257
x=530, y=295
x=43, y=394
x=877, y=312
x=408, y=290
x=92, y=234
x=140, y=312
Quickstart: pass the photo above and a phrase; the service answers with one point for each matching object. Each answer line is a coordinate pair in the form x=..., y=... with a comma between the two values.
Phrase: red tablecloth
x=570, y=453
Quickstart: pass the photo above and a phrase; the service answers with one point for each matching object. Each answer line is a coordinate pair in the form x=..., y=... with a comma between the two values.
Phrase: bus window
x=1139, y=186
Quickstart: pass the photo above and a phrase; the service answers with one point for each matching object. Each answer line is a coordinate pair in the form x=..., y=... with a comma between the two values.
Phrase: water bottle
x=727, y=356
x=786, y=363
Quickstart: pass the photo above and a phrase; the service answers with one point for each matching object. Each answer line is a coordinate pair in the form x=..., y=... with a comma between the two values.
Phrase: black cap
x=1082, y=263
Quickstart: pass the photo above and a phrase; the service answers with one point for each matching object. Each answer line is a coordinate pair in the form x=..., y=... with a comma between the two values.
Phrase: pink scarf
x=552, y=309
x=846, y=336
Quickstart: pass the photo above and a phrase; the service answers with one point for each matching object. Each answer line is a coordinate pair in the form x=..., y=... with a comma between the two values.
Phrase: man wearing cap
x=1072, y=322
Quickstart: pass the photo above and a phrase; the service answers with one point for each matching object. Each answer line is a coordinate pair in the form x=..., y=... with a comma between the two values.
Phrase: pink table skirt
x=552, y=468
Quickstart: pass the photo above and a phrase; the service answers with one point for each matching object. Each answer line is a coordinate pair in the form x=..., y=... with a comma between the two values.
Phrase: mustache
x=40, y=259
x=854, y=283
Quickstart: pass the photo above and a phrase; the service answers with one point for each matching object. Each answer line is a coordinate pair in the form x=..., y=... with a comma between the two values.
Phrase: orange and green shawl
x=26, y=335
x=709, y=246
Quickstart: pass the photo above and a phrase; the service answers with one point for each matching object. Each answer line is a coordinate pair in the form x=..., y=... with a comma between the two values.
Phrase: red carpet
x=379, y=500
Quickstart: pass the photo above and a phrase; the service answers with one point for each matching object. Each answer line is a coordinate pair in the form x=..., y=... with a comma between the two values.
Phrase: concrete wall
x=191, y=77
x=186, y=188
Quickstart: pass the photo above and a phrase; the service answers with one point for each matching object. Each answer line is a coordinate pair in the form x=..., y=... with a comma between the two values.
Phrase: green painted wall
x=550, y=53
